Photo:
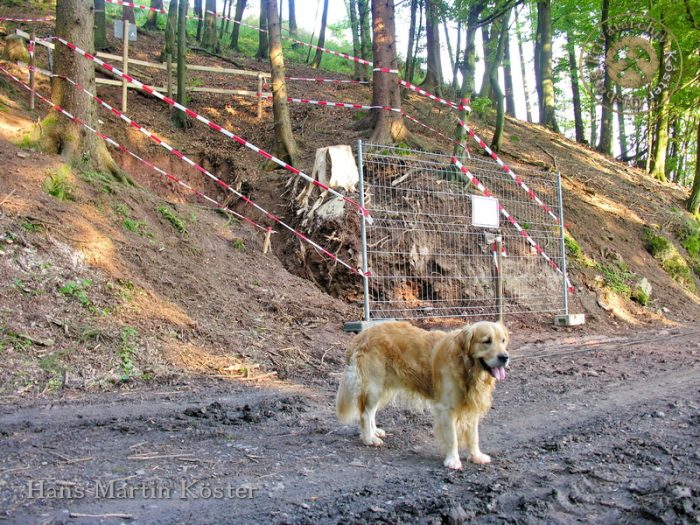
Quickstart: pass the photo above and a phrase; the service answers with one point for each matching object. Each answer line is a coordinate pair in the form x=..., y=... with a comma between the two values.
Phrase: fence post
x=260, y=99
x=563, y=246
x=499, y=275
x=169, y=69
x=363, y=232
x=125, y=84
x=32, y=63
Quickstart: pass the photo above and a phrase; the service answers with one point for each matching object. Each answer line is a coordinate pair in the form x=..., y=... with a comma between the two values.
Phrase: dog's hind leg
x=370, y=398
x=471, y=437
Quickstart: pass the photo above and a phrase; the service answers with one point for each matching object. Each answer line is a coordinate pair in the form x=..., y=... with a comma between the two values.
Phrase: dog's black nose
x=503, y=359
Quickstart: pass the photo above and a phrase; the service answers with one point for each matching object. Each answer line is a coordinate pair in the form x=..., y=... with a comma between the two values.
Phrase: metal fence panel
x=428, y=261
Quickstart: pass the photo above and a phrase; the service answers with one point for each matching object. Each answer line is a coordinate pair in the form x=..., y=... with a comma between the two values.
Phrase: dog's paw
x=379, y=432
x=372, y=441
x=453, y=463
x=480, y=459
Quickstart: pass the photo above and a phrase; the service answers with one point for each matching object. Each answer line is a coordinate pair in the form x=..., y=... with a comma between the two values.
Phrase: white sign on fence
x=119, y=30
x=485, y=212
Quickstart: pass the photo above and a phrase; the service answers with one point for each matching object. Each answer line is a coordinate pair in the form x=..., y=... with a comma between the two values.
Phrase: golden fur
x=455, y=372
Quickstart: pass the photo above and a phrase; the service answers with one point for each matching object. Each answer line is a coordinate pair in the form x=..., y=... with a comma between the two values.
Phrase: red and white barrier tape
x=213, y=125
x=487, y=193
x=509, y=171
x=137, y=6
x=204, y=171
x=464, y=104
x=331, y=80
x=114, y=143
x=10, y=19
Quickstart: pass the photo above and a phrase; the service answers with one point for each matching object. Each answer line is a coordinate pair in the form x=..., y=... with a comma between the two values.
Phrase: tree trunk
x=433, y=78
x=593, y=113
x=236, y=30
x=526, y=89
x=410, y=75
x=363, y=11
x=228, y=19
x=389, y=126
x=546, y=80
x=198, y=11
x=468, y=70
x=408, y=70
x=101, y=42
x=508, y=75
x=575, y=89
x=75, y=144
x=352, y=8
x=210, y=38
x=263, y=45
x=621, y=123
x=152, y=18
x=489, y=51
x=453, y=62
x=170, y=31
x=128, y=14
x=223, y=19
x=285, y=146
x=693, y=202
x=672, y=151
x=605, y=144
x=179, y=117
x=292, y=19
x=502, y=36
x=316, y=62
x=658, y=156
x=458, y=46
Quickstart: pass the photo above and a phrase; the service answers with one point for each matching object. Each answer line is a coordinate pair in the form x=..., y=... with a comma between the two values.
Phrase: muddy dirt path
x=586, y=429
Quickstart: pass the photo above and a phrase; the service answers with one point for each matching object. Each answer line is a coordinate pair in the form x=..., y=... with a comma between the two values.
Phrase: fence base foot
x=359, y=326
x=569, y=320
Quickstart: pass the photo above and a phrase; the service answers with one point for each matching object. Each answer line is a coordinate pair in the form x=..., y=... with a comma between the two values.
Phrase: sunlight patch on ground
x=199, y=360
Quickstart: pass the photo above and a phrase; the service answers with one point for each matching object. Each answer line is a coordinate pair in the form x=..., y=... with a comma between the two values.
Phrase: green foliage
x=173, y=218
x=575, y=252
x=78, y=290
x=671, y=260
x=617, y=277
x=638, y=295
x=689, y=237
x=127, y=352
x=32, y=227
x=26, y=142
x=58, y=185
x=657, y=245
x=137, y=227
x=480, y=106
x=239, y=244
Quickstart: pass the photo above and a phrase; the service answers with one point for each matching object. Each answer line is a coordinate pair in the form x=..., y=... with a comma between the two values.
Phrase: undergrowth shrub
x=670, y=259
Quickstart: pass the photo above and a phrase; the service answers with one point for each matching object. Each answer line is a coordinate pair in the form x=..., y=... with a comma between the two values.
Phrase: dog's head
x=485, y=344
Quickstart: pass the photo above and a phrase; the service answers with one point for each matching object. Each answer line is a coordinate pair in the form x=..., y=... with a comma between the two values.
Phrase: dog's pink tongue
x=500, y=373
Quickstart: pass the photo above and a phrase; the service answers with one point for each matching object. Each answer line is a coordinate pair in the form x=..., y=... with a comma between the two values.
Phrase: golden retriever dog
x=454, y=372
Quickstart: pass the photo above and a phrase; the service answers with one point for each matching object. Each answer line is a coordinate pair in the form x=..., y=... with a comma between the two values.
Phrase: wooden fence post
x=32, y=64
x=125, y=84
x=260, y=99
x=169, y=69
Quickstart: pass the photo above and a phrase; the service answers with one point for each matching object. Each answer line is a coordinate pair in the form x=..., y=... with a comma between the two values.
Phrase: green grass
x=78, y=290
x=58, y=185
x=32, y=227
x=673, y=263
x=689, y=237
x=239, y=244
x=126, y=353
x=137, y=227
x=617, y=277
x=173, y=218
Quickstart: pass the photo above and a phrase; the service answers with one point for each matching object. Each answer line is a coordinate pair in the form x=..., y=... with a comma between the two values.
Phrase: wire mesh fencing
x=426, y=257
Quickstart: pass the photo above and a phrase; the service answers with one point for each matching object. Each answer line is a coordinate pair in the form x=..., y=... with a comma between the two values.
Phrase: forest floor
x=150, y=351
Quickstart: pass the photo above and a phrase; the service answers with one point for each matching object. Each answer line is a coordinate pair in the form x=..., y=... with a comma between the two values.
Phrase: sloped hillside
x=114, y=284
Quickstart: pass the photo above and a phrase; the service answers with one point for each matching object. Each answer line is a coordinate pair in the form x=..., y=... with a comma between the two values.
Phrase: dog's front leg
x=447, y=434
x=472, y=439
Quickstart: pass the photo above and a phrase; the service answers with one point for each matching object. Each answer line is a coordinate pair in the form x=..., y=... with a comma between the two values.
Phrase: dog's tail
x=346, y=402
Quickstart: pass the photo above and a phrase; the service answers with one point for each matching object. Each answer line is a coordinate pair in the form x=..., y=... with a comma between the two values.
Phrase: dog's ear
x=465, y=338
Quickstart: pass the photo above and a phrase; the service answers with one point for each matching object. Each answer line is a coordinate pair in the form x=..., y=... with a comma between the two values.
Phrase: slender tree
x=544, y=65
x=575, y=89
x=620, y=106
x=433, y=78
x=228, y=19
x=355, y=30
x=411, y=64
x=75, y=23
x=316, y=62
x=508, y=75
x=523, y=75
x=285, y=146
x=152, y=18
x=170, y=31
x=693, y=202
x=363, y=11
x=210, y=37
x=101, y=42
x=458, y=46
x=662, y=105
x=263, y=44
x=605, y=144
x=179, y=117
x=199, y=13
x=292, y=19
x=408, y=70
x=236, y=30
x=501, y=33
